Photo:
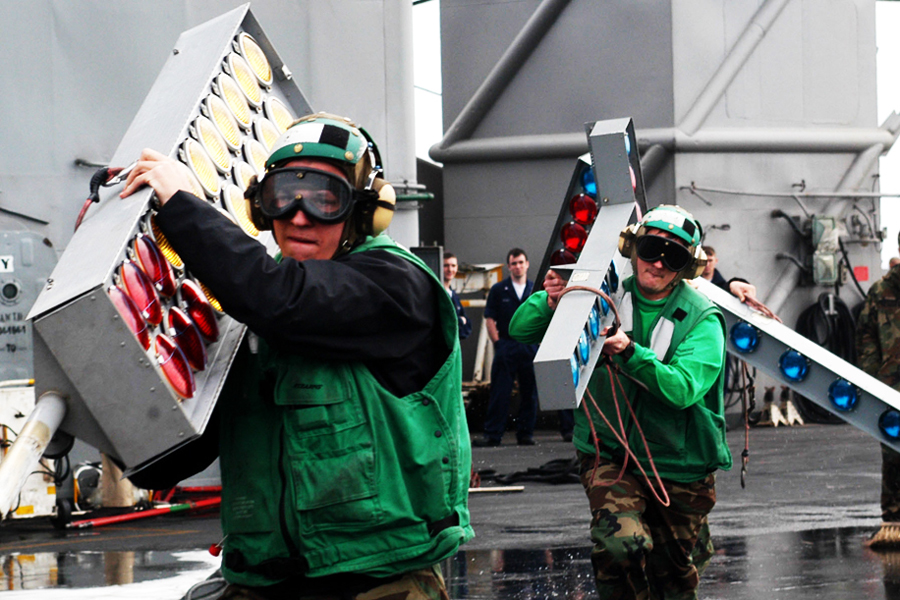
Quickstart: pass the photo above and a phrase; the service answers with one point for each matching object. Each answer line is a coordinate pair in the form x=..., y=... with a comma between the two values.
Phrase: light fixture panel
x=118, y=396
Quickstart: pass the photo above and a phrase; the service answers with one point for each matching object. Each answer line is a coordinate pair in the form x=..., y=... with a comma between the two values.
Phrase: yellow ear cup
x=626, y=240
x=695, y=269
x=382, y=216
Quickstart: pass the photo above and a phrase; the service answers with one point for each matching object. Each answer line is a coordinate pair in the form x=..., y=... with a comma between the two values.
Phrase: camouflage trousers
x=423, y=584
x=642, y=549
x=890, y=484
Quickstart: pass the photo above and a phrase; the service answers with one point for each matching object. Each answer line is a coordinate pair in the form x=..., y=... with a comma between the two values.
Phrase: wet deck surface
x=795, y=532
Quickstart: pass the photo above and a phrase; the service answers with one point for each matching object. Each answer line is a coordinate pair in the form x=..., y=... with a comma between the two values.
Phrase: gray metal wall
x=800, y=68
x=76, y=72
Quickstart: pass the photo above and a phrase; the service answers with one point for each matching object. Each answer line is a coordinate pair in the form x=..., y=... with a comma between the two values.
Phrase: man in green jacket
x=650, y=534
x=341, y=431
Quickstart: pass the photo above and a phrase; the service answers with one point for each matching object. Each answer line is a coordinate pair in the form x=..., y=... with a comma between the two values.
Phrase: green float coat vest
x=325, y=471
x=686, y=444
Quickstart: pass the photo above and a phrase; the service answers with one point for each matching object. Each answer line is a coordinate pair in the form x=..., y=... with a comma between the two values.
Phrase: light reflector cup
x=205, y=132
x=130, y=314
x=237, y=67
x=562, y=257
x=234, y=201
x=583, y=209
x=199, y=310
x=843, y=395
x=793, y=365
x=187, y=336
x=149, y=227
x=255, y=154
x=175, y=366
x=218, y=112
x=266, y=132
x=151, y=260
x=256, y=58
x=584, y=348
x=744, y=336
x=141, y=291
x=198, y=161
x=573, y=236
x=228, y=89
x=594, y=322
x=242, y=172
x=889, y=424
x=588, y=182
x=277, y=112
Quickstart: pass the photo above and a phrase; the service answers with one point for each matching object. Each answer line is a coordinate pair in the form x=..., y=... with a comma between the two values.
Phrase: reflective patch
x=662, y=338
x=626, y=307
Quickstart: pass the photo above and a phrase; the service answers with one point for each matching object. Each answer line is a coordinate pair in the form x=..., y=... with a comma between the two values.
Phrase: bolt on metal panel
x=119, y=398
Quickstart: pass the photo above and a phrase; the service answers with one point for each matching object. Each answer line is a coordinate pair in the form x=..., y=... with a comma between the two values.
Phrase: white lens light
x=234, y=201
x=237, y=67
x=228, y=89
x=276, y=111
x=257, y=60
x=219, y=113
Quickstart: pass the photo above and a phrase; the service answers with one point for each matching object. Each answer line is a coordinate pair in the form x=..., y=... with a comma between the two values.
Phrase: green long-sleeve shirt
x=682, y=413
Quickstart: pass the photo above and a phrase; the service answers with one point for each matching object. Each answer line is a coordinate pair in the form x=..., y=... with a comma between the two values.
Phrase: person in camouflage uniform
x=878, y=354
x=670, y=347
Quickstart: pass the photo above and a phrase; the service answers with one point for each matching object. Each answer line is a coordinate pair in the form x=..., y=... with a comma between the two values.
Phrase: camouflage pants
x=890, y=484
x=424, y=584
x=644, y=550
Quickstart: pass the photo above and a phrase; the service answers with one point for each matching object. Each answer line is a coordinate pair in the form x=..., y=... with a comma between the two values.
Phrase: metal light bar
x=119, y=396
x=560, y=366
x=872, y=399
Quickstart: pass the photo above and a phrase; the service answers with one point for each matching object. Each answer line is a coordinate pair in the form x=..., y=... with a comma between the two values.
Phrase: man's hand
x=554, y=286
x=615, y=343
x=165, y=175
x=746, y=293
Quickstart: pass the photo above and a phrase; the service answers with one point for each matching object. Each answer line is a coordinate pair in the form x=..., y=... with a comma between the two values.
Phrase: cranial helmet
x=341, y=142
x=676, y=221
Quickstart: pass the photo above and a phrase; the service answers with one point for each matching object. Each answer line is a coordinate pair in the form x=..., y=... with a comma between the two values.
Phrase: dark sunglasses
x=674, y=256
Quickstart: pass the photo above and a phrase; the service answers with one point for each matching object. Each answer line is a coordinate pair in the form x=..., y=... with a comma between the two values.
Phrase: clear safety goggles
x=674, y=256
x=321, y=195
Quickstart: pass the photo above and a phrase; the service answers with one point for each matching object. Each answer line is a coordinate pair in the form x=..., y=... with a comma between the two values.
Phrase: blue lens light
x=588, y=183
x=594, y=322
x=843, y=395
x=612, y=276
x=889, y=424
x=574, y=364
x=793, y=365
x=584, y=347
x=603, y=303
x=745, y=337
x=627, y=145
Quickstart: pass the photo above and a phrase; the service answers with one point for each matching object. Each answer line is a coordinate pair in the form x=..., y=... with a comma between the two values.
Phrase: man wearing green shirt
x=669, y=352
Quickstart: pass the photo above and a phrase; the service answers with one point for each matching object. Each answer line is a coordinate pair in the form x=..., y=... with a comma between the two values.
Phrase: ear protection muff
x=251, y=197
x=695, y=269
x=372, y=215
x=627, y=238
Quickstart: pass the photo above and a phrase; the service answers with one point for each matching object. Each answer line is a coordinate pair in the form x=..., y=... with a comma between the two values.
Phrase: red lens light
x=174, y=366
x=583, y=209
x=131, y=315
x=187, y=336
x=562, y=257
x=154, y=265
x=573, y=237
x=199, y=310
x=633, y=178
x=141, y=290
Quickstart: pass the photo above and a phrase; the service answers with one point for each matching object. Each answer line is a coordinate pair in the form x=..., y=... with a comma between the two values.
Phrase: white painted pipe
x=25, y=452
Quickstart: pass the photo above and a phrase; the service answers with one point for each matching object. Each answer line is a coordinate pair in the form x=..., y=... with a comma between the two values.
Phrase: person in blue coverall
x=451, y=266
x=512, y=360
